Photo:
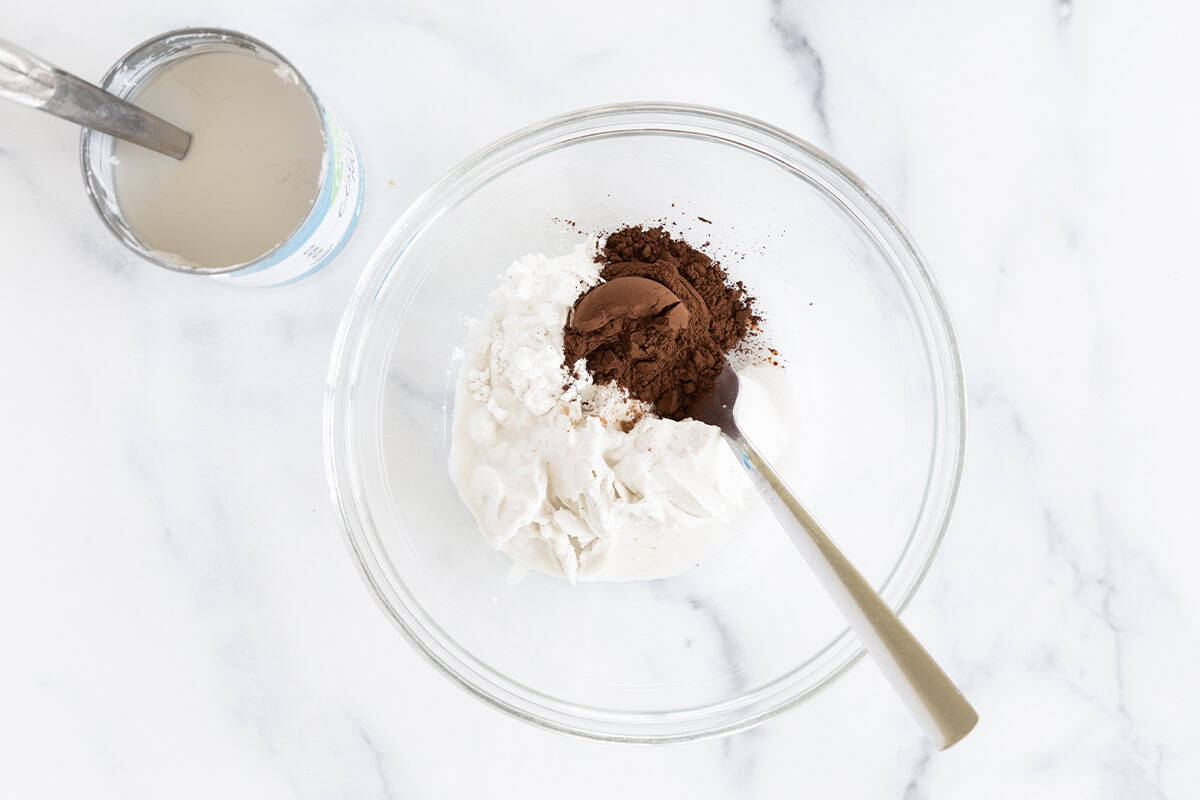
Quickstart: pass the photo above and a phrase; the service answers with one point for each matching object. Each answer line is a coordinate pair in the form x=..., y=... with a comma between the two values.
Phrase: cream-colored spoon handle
x=930, y=695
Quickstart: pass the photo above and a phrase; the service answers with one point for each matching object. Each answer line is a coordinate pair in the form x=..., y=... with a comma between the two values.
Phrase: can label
x=328, y=225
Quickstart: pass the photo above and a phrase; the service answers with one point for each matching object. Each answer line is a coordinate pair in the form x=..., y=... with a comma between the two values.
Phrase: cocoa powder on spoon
x=663, y=321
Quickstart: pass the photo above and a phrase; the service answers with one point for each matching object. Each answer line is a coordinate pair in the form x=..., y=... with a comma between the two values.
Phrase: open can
x=315, y=240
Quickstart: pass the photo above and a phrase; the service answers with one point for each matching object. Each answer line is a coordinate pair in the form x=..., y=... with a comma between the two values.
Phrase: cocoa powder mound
x=664, y=336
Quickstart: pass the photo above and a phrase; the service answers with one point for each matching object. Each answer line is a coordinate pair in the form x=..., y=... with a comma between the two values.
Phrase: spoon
x=31, y=81
x=932, y=698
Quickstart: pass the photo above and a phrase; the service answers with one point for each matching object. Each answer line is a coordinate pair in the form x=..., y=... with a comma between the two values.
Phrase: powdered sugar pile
x=571, y=478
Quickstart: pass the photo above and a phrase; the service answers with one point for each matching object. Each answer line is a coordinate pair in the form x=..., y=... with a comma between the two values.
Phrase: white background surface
x=179, y=616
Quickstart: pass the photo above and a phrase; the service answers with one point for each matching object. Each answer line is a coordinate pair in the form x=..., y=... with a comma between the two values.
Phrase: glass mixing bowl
x=871, y=393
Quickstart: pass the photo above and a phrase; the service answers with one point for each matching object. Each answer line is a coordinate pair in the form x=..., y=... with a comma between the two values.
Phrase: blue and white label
x=328, y=225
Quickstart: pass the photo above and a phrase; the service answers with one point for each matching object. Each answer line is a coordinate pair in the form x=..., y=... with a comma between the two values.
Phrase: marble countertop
x=178, y=613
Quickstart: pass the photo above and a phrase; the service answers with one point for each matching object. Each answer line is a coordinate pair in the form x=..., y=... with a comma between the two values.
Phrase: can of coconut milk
x=270, y=189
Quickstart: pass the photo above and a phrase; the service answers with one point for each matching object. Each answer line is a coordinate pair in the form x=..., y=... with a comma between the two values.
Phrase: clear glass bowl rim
x=651, y=117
